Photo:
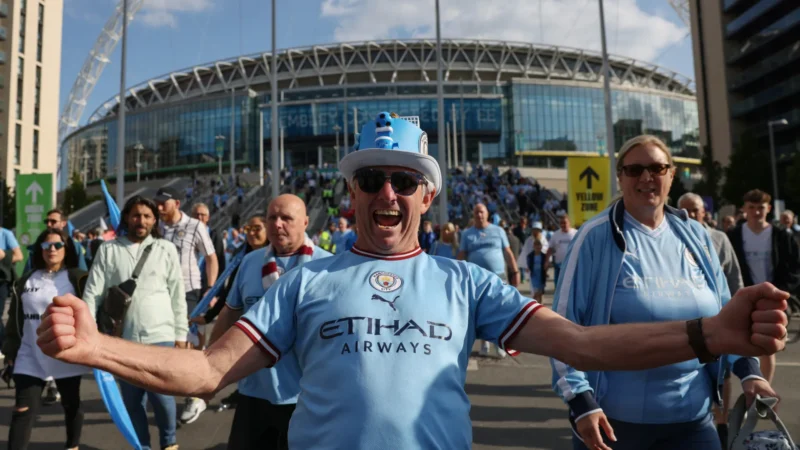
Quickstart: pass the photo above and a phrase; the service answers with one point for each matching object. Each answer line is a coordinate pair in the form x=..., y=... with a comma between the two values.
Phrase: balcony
x=3, y=9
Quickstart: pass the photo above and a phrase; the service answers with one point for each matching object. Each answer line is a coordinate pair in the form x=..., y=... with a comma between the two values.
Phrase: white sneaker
x=484, y=349
x=501, y=352
x=50, y=395
x=194, y=407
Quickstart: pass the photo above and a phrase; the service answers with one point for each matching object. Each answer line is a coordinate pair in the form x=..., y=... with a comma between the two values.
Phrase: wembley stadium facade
x=522, y=104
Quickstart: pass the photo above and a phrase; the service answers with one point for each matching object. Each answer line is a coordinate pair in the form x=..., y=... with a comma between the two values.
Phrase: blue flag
x=114, y=216
x=113, y=401
x=202, y=306
x=105, y=381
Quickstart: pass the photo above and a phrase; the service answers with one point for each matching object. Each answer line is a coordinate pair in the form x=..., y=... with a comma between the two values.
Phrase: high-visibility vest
x=327, y=193
x=326, y=241
x=333, y=211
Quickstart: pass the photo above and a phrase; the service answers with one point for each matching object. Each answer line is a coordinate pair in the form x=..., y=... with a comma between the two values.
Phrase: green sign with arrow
x=34, y=199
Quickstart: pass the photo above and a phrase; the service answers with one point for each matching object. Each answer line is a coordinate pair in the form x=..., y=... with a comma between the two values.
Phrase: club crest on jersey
x=385, y=281
x=689, y=256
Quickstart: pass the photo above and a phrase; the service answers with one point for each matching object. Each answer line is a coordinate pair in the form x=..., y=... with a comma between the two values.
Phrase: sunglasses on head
x=403, y=183
x=50, y=245
x=636, y=170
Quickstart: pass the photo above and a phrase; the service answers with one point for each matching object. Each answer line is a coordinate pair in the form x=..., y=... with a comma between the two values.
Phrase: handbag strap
x=742, y=422
x=140, y=265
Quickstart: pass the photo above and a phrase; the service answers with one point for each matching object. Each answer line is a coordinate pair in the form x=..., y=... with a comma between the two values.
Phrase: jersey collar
x=395, y=257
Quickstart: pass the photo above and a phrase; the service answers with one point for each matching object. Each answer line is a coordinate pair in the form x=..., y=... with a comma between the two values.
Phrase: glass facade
x=500, y=121
x=572, y=118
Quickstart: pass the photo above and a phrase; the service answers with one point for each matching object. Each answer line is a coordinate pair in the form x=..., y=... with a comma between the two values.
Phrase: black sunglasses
x=48, y=245
x=51, y=221
x=636, y=170
x=403, y=183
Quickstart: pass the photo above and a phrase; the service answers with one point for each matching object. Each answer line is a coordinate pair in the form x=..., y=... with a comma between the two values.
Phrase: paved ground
x=513, y=407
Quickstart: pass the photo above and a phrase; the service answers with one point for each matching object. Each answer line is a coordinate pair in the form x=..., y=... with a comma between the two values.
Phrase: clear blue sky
x=167, y=35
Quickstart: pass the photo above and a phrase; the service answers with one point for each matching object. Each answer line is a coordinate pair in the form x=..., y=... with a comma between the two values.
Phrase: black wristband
x=694, y=328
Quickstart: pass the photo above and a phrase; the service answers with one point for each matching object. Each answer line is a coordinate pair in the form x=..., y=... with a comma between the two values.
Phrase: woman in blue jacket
x=643, y=261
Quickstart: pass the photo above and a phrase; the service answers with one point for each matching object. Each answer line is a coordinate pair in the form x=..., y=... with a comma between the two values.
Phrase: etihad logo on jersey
x=385, y=281
x=369, y=326
x=664, y=286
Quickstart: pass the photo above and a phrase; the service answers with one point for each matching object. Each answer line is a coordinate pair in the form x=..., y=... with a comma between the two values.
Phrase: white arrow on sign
x=34, y=190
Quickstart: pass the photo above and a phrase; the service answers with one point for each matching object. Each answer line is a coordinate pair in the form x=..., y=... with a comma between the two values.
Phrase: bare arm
x=2, y=254
x=179, y=372
x=68, y=333
x=462, y=255
x=212, y=268
x=511, y=263
x=751, y=324
x=17, y=255
x=227, y=317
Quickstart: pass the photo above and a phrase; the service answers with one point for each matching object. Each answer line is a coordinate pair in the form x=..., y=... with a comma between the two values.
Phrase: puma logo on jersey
x=381, y=299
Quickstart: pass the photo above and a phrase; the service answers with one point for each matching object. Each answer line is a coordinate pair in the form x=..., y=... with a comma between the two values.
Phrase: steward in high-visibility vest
x=326, y=241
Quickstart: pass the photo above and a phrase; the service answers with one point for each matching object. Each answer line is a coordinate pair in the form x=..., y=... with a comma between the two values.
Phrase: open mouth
x=387, y=218
x=646, y=191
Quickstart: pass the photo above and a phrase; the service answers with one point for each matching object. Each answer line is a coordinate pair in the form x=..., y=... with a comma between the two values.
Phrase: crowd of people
x=361, y=336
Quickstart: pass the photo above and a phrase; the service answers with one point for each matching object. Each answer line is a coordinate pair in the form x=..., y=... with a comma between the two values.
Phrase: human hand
x=181, y=344
x=753, y=323
x=757, y=386
x=68, y=332
x=200, y=320
x=589, y=430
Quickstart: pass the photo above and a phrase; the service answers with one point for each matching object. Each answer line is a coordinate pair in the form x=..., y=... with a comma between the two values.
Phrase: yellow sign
x=588, y=182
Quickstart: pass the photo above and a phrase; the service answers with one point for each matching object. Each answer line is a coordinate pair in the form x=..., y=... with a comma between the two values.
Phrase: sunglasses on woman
x=52, y=245
x=403, y=183
x=636, y=170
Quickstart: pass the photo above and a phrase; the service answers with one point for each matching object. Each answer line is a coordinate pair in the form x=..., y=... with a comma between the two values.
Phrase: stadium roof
x=396, y=61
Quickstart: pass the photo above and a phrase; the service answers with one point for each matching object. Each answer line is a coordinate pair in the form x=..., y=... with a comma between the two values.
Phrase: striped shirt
x=191, y=238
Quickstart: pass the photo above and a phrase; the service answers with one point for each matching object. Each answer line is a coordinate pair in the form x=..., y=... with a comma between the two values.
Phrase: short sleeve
x=504, y=238
x=270, y=323
x=10, y=241
x=462, y=246
x=234, y=299
x=205, y=246
x=501, y=311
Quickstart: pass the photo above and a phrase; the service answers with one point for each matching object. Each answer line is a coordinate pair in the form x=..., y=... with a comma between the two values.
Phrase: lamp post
x=121, y=110
x=607, y=101
x=85, y=168
x=771, y=124
x=443, y=216
x=220, y=144
x=337, y=129
x=139, y=147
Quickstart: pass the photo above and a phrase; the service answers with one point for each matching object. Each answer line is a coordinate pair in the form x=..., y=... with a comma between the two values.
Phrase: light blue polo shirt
x=280, y=384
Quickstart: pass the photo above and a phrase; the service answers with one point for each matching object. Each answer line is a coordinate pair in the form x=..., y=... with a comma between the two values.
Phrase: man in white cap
x=383, y=333
x=527, y=247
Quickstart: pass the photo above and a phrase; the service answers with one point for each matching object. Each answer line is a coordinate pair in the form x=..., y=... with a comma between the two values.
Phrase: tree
x=9, y=208
x=75, y=196
x=709, y=185
x=749, y=169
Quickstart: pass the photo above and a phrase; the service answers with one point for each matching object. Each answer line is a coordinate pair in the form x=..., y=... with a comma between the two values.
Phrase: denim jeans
x=4, y=291
x=135, y=399
x=697, y=435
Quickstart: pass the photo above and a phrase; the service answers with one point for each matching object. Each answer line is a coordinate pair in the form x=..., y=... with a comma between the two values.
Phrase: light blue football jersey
x=280, y=384
x=383, y=346
x=660, y=280
x=484, y=247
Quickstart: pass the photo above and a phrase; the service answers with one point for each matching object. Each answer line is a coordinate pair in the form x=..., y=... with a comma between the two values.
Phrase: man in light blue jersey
x=344, y=237
x=268, y=397
x=486, y=245
x=382, y=333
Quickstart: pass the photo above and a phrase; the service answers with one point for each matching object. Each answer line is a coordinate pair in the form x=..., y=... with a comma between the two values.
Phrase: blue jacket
x=586, y=291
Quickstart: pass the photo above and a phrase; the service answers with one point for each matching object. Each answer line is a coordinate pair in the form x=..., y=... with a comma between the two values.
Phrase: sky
x=168, y=35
